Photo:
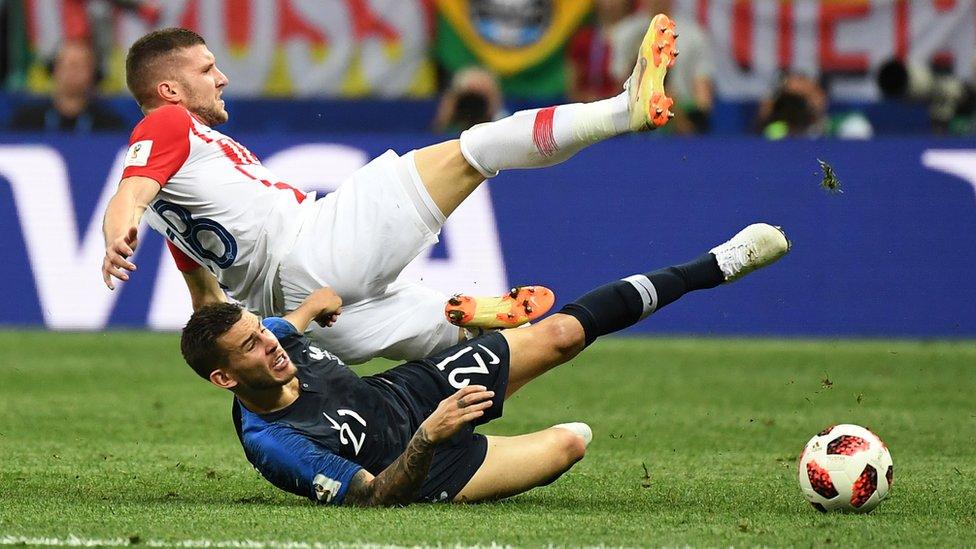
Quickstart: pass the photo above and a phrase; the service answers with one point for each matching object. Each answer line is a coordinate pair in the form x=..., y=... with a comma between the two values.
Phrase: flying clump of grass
x=830, y=182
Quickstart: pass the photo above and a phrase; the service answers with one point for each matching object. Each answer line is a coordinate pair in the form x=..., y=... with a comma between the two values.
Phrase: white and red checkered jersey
x=217, y=204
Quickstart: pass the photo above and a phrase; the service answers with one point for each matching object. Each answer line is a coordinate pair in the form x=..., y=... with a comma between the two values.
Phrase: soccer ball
x=845, y=468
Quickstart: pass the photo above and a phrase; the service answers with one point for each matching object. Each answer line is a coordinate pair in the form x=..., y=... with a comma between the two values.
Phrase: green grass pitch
x=111, y=437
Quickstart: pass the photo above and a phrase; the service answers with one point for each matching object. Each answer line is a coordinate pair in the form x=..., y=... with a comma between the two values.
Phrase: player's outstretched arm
x=203, y=287
x=322, y=306
x=400, y=483
x=121, y=226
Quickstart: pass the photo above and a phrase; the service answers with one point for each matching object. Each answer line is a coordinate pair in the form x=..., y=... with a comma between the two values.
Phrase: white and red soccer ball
x=845, y=468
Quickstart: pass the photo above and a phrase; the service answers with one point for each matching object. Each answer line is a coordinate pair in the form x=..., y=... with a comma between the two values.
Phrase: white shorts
x=404, y=323
x=357, y=241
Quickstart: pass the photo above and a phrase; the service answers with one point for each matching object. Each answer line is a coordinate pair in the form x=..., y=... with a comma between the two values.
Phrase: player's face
x=202, y=84
x=255, y=359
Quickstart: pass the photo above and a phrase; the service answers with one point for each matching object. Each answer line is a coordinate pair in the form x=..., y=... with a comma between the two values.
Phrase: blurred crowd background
x=850, y=69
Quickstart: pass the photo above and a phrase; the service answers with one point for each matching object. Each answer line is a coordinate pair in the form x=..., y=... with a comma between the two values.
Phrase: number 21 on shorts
x=481, y=367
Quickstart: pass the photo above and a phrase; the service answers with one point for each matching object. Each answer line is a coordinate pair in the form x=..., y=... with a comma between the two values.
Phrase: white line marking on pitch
x=75, y=541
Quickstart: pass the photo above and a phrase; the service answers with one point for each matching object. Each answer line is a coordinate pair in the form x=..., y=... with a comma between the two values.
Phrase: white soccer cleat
x=752, y=248
x=579, y=429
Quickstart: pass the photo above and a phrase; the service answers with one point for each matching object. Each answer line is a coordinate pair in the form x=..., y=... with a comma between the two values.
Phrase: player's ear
x=221, y=379
x=169, y=91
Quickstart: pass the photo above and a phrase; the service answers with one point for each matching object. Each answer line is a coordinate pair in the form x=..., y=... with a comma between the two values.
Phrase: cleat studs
x=658, y=110
x=670, y=115
x=455, y=300
x=511, y=316
x=675, y=35
x=513, y=293
x=456, y=315
x=676, y=52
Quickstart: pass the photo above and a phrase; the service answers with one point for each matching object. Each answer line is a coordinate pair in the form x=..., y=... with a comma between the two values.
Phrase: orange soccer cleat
x=522, y=304
x=650, y=108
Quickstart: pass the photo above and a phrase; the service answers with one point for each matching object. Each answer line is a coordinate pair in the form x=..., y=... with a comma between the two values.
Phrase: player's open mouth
x=280, y=363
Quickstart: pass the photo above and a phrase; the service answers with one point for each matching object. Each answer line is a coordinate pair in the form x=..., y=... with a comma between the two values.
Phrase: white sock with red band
x=543, y=137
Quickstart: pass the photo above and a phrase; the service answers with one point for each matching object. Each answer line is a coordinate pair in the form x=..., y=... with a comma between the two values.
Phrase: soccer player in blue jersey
x=315, y=428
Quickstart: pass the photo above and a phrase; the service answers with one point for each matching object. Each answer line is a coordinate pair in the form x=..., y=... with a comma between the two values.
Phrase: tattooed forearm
x=399, y=483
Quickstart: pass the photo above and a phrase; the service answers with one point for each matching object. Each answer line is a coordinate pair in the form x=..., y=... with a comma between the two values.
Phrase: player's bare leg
x=516, y=464
x=448, y=177
x=618, y=305
x=538, y=348
x=543, y=137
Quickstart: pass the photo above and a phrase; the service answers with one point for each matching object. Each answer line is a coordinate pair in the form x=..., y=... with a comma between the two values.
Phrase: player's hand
x=327, y=320
x=455, y=411
x=326, y=306
x=117, y=254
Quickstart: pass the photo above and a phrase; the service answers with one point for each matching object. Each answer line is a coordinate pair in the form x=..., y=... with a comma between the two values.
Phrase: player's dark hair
x=142, y=59
x=198, y=343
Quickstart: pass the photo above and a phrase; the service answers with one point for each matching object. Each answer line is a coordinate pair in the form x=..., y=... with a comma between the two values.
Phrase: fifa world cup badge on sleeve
x=138, y=153
x=325, y=488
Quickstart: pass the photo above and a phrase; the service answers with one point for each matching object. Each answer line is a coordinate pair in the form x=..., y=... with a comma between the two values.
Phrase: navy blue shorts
x=480, y=361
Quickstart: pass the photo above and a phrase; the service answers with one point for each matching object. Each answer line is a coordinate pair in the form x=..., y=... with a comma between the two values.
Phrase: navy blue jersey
x=342, y=423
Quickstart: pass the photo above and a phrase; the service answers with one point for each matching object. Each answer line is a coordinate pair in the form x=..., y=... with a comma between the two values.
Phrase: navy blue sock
x=618, y=305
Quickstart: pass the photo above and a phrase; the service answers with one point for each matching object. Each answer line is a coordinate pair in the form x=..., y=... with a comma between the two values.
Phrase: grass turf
x=111, y=436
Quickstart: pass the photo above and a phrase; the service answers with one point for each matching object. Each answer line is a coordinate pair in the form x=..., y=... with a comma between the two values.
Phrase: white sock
x=543, y=137
x=580, y=429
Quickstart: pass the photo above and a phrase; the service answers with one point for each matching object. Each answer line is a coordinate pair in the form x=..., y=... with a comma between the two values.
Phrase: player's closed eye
x=253, y=342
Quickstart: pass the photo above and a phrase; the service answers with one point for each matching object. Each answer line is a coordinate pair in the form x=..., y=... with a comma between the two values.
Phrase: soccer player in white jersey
x=270, y=245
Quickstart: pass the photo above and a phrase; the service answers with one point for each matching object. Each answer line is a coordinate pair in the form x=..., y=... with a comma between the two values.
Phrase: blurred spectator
x=799, y=108
x=101, y=16
x=473, y=97
x=951, y=102
x=74, y=72
x=601, y=55
x=14, y=56
x=689, y=82
x=523, y=42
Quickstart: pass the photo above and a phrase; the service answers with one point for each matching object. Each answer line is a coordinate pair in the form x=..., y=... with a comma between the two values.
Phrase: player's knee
x=564, y=335
x=569, y=446
x=565, y=449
